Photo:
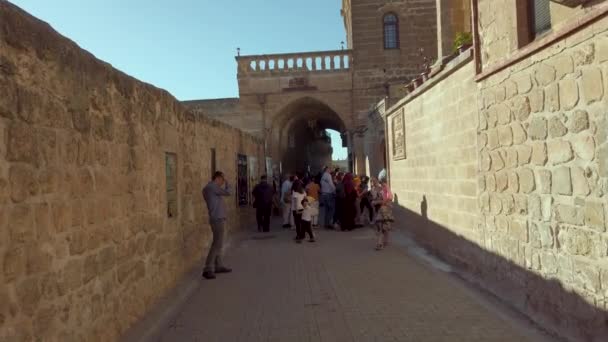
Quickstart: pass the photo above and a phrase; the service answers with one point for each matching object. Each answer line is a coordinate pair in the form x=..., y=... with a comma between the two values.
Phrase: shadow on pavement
x=545, y=301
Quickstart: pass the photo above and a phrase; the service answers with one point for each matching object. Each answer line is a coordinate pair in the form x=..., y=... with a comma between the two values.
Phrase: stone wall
x=543, y=162
x=228, y=111
x=86, y=245
x=507, y=178
x=436, y=182
x=504, y=25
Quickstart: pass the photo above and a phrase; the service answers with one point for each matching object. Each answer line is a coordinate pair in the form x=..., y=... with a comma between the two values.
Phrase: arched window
x=391, y=31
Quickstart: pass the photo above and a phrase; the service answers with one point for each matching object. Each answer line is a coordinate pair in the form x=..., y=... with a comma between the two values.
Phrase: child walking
x=307, y=221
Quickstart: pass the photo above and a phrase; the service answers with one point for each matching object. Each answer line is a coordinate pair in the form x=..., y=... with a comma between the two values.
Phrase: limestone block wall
x=504, y=26
x=228, y=111
x=496, y=20
x=507, y=178
x=543, y=179
x=436, y=184
x=86, y=244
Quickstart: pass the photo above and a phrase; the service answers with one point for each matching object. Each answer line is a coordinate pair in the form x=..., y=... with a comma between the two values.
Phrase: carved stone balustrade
x=321, y=61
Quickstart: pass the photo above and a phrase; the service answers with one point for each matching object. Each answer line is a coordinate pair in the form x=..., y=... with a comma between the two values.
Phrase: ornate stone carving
x=398, y=128
x=298, y=82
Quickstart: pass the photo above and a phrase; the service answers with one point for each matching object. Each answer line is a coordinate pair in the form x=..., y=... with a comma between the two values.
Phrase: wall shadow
x=546, y=301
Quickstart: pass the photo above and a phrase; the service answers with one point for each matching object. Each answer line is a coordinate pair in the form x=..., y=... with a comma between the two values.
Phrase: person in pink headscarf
x=384, y=217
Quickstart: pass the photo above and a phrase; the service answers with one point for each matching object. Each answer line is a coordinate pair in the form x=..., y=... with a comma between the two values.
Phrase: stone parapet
x=319, y=61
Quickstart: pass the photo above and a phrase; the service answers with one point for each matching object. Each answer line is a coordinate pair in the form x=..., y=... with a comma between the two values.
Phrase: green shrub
x=462, y=38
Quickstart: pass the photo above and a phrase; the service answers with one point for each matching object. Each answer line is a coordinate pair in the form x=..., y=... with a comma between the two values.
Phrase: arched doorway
x=300, y=141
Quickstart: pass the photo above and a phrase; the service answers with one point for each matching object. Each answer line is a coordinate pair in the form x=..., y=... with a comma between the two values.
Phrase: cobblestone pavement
x=337, y=289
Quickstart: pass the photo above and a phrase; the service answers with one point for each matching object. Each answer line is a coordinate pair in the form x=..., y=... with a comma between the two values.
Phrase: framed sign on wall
x=398, y=132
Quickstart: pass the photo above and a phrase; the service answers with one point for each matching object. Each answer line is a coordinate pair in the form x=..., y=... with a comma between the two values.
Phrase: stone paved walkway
x=338, y=289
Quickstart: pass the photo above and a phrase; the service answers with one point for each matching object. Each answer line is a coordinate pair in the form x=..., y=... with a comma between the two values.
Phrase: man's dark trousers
x=262, y=214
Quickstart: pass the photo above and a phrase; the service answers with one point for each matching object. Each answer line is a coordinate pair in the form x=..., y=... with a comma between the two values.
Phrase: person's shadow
x=424, y=208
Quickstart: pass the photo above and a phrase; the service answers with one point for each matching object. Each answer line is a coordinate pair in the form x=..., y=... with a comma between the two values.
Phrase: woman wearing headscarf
x=349, y=210
x=384, y=217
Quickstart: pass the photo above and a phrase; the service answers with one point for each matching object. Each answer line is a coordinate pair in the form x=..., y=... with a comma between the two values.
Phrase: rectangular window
x=541, y=10
x=213, y=162
x=533, y=20
x=171, y=178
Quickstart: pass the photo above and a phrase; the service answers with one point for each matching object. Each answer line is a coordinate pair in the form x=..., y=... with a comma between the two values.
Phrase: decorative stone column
x=358, y=149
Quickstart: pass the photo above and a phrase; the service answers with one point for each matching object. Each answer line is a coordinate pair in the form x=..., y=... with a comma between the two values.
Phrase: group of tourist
x=335, y=199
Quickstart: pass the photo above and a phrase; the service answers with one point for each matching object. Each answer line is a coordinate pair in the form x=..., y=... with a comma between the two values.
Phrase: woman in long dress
x=349, y=210
x=297, y=196
x=384, y=216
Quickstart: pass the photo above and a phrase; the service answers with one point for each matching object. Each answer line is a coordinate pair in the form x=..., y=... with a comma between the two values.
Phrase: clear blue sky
x=188, y=46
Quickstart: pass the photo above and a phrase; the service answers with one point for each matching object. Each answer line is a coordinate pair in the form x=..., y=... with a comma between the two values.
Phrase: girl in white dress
x=296, y=208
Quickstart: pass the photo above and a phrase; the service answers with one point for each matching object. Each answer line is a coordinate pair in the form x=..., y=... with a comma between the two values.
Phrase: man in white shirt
x=286, y=202
x=328, y=199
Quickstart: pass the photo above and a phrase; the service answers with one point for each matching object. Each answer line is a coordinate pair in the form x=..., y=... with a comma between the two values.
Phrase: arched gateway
x=299, y=140
x=289, y=100
x=297, y=97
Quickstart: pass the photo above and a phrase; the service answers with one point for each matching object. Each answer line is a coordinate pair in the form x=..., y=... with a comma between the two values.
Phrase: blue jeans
x=328, y=205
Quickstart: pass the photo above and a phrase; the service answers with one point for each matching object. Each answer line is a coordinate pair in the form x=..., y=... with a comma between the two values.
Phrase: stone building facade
x=388, y=42
x=101, y=210
x=379, y=70
x=500, y=161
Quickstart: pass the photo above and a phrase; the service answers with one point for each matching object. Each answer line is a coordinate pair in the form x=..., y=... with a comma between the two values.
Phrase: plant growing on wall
x=427, y=62
x=463, y=39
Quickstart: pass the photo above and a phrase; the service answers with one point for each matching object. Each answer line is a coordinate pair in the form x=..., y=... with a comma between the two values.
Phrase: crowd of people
x=335, y=200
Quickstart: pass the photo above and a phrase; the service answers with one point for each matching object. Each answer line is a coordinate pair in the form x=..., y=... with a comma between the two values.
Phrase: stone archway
x=299, y=141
